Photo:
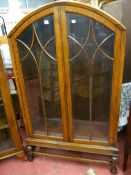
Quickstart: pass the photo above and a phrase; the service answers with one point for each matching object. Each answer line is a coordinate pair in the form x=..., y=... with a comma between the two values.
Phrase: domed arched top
x=58, y=4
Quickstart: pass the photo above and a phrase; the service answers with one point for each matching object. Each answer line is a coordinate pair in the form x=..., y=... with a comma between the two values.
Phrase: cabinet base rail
x=13, y=152
x=112, y=161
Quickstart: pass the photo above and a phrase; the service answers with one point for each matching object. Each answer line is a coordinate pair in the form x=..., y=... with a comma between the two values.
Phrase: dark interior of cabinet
x=5, y=136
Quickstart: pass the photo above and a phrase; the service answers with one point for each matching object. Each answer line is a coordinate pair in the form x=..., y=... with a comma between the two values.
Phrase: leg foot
x=113, y=165
x=30, y=154
x=114, y=170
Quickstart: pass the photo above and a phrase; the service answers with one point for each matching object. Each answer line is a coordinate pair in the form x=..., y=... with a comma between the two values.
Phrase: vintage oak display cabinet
x=68, y=62
x=10, y=142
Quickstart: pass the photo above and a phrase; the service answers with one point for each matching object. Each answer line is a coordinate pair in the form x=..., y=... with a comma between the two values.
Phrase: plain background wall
x=121, y=10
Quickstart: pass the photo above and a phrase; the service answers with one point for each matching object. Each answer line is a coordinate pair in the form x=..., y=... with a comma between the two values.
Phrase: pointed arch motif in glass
x=40, y=70
x=91, y=56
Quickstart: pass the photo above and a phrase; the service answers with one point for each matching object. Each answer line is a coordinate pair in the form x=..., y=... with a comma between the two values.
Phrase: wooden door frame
x=17, y=148
x=29, y=19
x=62, y=52
x=119, y=50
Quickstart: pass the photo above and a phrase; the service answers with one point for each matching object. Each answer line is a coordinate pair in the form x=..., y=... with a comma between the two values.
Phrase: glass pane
x=5, y=136
x=91, y=52
x=39, y=65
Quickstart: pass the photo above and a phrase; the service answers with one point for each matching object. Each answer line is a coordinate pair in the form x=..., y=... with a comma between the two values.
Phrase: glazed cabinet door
x=6, y=142
x=68, y=60
x=91, y=56
x=10, y=139
x=91, y=59
x=41, y=68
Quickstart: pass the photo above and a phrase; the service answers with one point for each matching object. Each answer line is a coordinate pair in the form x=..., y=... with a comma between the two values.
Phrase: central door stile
x=61, y=71
x=65, y=51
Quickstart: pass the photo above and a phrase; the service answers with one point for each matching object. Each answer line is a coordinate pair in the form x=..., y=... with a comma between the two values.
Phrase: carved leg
x=30, y=150
x=113, y=164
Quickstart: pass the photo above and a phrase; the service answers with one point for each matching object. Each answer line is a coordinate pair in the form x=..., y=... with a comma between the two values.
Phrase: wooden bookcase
x=68, y=62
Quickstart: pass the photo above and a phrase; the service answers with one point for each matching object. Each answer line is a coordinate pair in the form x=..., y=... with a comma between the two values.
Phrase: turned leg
x=30, y=150
x=113, y=164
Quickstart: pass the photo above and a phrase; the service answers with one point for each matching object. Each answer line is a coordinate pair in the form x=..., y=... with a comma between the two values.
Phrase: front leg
x=30, y=154
x=113, y=164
